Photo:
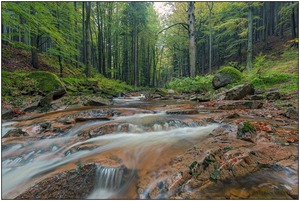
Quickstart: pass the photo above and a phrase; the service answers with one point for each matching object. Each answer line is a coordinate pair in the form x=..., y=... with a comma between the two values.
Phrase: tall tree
x=88, y=38
x=250, y=37
x=210, y=6
x=192, y=42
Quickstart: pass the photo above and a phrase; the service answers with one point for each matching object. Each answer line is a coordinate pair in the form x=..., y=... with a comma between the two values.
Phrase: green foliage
x=17, y=82
x=233, y=72
x=207, y=160
x=247, y=127
x=270, y=79
x=260, y=61
x=46, y=82
x=290, y=55
x=197, y=84
x=97, y=83
x=193, y=168
x=215, y=174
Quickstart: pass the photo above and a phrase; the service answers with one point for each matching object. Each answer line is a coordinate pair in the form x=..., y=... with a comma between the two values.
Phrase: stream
x=136, y=144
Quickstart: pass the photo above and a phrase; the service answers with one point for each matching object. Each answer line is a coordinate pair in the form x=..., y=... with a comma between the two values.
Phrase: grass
x=276, y=72
x=269, y=72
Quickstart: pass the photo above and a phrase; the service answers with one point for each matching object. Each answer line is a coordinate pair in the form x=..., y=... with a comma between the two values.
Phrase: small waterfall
x=109, y=181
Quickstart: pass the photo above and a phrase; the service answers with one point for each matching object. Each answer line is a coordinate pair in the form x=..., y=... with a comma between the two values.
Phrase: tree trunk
x=109, y=51
x=210, y=7
x=250, y=38
x=192, y=42
x=83, y=35
x=135, y=64
x=76, y=41
x=87, y=34
x=293, y=23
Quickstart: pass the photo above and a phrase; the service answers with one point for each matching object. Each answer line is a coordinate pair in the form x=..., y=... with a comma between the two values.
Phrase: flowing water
x=148, y=143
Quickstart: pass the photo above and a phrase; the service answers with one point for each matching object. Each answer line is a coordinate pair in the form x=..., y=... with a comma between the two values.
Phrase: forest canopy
x=131, y=42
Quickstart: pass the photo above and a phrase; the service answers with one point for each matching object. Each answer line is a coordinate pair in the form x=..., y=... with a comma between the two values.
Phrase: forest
x=128, y=41
x=150, y=100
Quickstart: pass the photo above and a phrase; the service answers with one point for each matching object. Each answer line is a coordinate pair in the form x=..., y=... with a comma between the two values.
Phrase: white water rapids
x=34, y=158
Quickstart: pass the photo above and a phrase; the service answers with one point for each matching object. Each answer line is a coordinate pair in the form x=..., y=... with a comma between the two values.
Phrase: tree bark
x=210, y=7
x=83, y=34
x=87, y=34
x=250, y=38
x=192, y=42
x=293, y=23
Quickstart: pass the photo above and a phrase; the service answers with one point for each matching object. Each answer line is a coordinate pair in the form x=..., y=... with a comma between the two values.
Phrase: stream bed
x=131, y=150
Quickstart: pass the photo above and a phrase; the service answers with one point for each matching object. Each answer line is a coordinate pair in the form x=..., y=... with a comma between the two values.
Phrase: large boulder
x=48, y=83
x=239, y=92
x=221, y=80
x=225, y=76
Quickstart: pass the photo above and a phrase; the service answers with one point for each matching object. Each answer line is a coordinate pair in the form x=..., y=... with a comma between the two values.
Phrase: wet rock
x=178, y=97
x=73, y=184
x=234, y=193
x=59, y=93
x=246, y=132
x=199, y=98
x=156, y=96
x=221, y=80
x=182, y=111
x=34, y=106
x=273, y=95
x=241, y=105
x=233, y=116
x=239, y=92
x=45, y=103
x=291, y=113
x=96, y=101
x=15, y=133
x=255, y=97
x=7, y=114
x=102, y=130
x=95, y=114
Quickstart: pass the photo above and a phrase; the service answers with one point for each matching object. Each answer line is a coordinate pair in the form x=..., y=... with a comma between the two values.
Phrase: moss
x=233, y=72
x=247, y=127
x=46, y=82
x=207, y=160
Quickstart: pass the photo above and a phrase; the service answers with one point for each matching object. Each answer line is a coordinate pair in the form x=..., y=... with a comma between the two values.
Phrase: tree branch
x=186, y=26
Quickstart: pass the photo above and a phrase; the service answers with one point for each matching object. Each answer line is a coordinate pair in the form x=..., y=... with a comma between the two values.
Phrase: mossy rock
x=47, y=82
x=225, y=76
x=236, y=74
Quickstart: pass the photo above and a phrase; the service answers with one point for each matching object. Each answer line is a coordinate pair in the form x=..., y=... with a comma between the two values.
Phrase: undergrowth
x=268, y=72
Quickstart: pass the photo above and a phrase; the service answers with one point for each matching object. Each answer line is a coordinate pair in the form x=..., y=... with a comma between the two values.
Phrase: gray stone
x=31, y=107
x=273, y=95
x=7, y=114
x=221, y=80
x=239, y=92
x=15, y=133
x=255, y=97
x=291, y=113
x=96, y=101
